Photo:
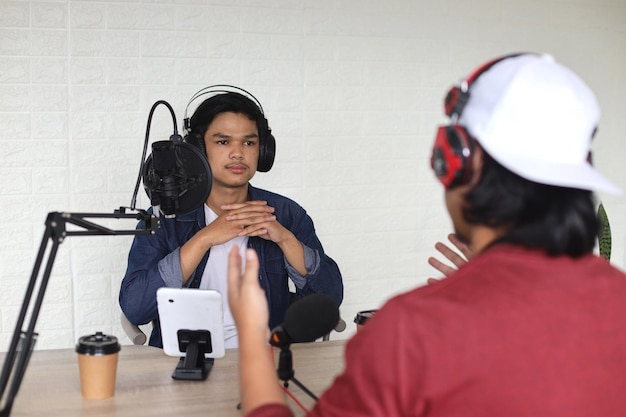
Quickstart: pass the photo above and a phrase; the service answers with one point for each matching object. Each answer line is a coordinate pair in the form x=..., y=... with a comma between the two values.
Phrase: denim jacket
x=154, y=262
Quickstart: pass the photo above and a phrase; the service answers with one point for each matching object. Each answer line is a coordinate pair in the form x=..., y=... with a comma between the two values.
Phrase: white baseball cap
x=537, y=119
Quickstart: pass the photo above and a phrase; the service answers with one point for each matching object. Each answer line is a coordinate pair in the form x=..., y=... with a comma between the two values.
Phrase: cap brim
x=581, y=176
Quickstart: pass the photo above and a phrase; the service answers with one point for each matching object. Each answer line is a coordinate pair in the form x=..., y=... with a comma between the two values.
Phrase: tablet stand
x=194, y=366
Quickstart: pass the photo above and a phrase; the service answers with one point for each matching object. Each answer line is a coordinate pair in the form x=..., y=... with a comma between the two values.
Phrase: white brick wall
x=353, y=92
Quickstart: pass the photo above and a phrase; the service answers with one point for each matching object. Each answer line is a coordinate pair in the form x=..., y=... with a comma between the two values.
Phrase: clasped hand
x=252, y=218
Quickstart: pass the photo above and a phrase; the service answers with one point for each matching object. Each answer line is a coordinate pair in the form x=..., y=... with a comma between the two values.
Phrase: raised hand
x=246, y=298
x=451, y=255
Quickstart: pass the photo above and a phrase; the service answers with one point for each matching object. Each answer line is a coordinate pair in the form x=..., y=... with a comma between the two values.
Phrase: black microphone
x=161, y=179
x=306, y=320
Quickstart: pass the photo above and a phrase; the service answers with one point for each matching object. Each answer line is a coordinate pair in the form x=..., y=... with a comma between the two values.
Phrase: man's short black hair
x=222, y=103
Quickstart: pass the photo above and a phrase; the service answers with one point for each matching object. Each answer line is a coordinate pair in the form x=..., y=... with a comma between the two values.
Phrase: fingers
x=240, y=205
x=251, y=275
x=234, y=272
x=254, y=222
x=248, y=205
x=440, y=266
x=242, y=286
x=255, y=231
x=269, y=229
x=462, y=247
x=235, y=278
x=249, y=217
x=451, y=255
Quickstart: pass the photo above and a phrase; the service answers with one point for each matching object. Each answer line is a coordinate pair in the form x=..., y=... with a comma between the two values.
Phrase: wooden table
x=144, y=387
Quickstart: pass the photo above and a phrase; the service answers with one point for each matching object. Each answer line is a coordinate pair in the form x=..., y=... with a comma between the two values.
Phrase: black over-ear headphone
x=267, y=142
x=452, y=152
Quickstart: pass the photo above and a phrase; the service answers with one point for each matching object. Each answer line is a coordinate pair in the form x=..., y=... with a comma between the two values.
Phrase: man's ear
x=477, y=163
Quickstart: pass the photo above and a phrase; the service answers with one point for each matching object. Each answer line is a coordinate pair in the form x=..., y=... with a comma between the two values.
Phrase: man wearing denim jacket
x=191, y=250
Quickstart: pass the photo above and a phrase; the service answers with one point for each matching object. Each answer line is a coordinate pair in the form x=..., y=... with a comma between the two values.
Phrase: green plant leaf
x=604, y=234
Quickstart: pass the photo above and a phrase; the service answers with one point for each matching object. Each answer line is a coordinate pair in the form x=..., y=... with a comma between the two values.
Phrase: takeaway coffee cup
x=97, y=363
x=362, y=317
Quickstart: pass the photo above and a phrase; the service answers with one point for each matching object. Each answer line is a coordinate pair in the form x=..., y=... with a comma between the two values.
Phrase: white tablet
x=194, y=310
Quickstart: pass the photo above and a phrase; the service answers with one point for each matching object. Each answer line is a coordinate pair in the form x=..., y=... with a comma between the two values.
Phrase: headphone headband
x=457, y=97
x=453, y=147
x=217, y=89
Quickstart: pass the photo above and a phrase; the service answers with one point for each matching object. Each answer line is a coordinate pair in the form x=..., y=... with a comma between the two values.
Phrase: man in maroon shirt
x=535, y=324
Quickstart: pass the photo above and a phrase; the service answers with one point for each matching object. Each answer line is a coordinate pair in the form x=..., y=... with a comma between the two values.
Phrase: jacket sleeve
x=153, y=262
x=323, y=275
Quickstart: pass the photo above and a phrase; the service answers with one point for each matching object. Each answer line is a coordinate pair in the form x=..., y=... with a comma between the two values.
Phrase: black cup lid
x=362, y=316
x=97, y=344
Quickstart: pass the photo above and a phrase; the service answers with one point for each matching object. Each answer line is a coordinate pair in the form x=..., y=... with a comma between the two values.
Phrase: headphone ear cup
x=267, y=153
x=452, y=155
x=267, y=150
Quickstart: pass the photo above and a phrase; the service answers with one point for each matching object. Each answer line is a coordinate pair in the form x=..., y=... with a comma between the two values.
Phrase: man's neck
x=221, y=195
x=482, y=237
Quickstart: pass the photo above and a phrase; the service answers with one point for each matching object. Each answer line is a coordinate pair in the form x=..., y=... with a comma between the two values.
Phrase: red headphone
x=452, y=151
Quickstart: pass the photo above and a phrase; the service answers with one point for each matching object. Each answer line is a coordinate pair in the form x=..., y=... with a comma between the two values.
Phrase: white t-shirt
x=215, y=277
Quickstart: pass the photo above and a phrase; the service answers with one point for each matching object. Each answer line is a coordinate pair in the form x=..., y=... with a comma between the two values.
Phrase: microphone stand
x=286, y=372
x=23, y=340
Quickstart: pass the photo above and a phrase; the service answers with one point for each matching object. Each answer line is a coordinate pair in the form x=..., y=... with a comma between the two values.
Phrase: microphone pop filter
x=177, y=177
